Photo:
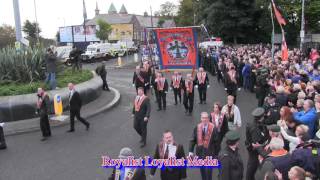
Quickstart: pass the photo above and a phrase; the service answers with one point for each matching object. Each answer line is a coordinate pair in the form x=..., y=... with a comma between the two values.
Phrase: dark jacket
x=51, y=59
x=231, y=164
x=3, y=144
x=75, y=102
x=306, y=160
x=201, y=151
x=139, y=82
x=101, y=70
x=274, y=111
x=165, y=88
x=45, y=106
x=75, y=55
x=138, y=175
x=282, y=99
x=144, y=111
x=206, y=81
x=172, y=173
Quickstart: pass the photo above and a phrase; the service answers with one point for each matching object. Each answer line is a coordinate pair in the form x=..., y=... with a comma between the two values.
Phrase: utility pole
x=272, y=36
x=302, y=33
x=37, y=27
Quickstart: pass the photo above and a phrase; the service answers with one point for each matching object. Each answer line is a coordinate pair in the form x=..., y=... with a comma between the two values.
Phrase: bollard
x=135, y=57
x=119, y=61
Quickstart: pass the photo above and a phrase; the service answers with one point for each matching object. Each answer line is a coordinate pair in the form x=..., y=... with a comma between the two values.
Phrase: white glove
x=190, y=154
x=1, y=124
x=196, y=86
x=208, y=86
x=133, y=85
x=170, y=88
x=166, y=92
x=225, y=89
x=151, y=86
x=239, y=89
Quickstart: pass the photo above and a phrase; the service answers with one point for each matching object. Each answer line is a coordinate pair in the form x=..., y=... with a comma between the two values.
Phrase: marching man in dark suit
x=75, y=106
x=141, y=112
x=202, y=82
x=139, y=79
x=176, y=85
x=188, y=97
x=127, y=173
x=167, y=148
x=162, y=89
x=43, y=105
x=204, y=138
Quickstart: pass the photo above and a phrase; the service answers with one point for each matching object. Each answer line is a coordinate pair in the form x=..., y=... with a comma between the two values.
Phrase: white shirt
x=71, y=94
x=172, y=150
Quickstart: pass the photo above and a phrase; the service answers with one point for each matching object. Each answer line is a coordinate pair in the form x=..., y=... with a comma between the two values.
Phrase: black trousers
x=170, y=174
x=219, y=76
x=3, y=144
x=188, y=102
x=177, y=93
x=206, y=173
x=162, y=101
x=45, y=126
x=76, y=113
x=141, y=127
x=104, y=82
x=252, y=165
x=202, y=93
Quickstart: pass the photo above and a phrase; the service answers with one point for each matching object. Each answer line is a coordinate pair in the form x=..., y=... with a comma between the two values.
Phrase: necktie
x=203, y=132
x=166, y=154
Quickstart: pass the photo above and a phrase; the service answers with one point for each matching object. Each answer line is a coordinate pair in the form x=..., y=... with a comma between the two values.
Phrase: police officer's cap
x=274, y=128
x=232, y=136
x=271, y=95
x=258, y=112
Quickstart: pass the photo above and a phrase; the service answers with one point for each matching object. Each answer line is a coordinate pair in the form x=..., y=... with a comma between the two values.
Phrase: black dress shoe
x=159, y=109
x=71, y=130
x=164, y=109
x=204, y=102
x=88, y=127
x=200, y=102
x=43, y=139
x=175, y=103
x=141, y=141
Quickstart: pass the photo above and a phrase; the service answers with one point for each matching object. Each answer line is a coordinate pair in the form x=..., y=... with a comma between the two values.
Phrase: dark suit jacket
x=224, y=127
x=140, y=174
x=165, y=88
x=176, y=173
x=185, y=88
x=75, y=102
x=206, y=81
x=137, y=81
x=45, y=106
x=201, y=151
x=144, y=111
x=181, y=83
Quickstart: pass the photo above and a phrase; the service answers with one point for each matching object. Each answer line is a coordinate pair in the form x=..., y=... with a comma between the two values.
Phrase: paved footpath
x=78, y=155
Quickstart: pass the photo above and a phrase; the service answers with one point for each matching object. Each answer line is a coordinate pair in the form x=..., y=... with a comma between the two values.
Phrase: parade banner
x=177, y=48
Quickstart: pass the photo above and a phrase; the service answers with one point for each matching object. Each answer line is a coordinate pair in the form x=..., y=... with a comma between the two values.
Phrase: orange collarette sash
x=206, y=140
x=137, y=102
x=176, y=81
x=201, y=77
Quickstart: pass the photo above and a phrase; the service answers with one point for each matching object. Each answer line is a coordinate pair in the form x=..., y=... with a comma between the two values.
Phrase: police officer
x=272, y=110
x=256, y=133
x=262, y=86
x=230, y=159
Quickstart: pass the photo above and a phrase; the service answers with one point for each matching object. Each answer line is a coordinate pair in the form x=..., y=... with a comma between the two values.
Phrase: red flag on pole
x=284, y=48
x=279, y=17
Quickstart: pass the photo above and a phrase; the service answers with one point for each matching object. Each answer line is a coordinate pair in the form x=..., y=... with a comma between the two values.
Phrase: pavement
x=105, y=102
x=70, y=156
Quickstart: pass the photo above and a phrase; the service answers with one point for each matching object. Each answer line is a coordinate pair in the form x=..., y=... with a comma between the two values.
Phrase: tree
x=231, y=19
x=185, y=13
x=168, y=9
x=104, y=30
x=7, y=36
x=160, y=22
x=31, y=30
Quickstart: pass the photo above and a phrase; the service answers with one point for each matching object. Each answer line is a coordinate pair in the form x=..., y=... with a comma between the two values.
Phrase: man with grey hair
x=204, y=138
x=278, y=159
x=308, y=116
x=127, y=172
x=43, y=109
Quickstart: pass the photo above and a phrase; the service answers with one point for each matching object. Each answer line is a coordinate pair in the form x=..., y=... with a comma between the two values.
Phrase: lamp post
x=302, y=32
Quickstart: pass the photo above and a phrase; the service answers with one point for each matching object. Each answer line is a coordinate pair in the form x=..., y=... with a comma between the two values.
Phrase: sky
x=53, y=14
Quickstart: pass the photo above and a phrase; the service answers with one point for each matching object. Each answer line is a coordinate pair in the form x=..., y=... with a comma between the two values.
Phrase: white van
x=96, y=51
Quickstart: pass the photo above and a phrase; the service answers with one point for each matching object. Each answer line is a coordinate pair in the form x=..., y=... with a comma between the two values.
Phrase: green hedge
x=63, y=78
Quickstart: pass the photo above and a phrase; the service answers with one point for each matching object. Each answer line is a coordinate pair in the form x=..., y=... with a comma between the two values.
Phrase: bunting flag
x=84, y=11
x=278, y=15
x=284, y=48
x=177, y=48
